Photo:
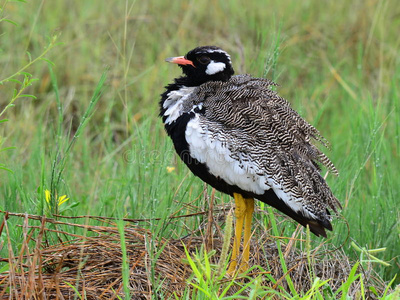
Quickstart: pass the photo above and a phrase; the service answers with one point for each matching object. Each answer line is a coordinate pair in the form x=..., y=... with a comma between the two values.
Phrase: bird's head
x=207, y=63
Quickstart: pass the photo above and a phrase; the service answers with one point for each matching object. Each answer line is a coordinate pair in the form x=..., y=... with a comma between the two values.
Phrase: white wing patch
x=244, y=173
x=215, y=67
x=174, y=103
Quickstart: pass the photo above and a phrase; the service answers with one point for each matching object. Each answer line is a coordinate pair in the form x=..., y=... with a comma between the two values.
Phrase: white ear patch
x=215, y=67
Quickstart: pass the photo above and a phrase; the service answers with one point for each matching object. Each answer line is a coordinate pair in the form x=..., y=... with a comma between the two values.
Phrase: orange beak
x=180, y=60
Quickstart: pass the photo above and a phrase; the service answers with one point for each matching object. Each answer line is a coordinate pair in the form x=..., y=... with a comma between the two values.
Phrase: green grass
x=337, y=62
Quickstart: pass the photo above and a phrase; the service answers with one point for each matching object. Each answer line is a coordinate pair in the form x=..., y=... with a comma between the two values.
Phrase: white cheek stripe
x=218, y=51
x=215, y=67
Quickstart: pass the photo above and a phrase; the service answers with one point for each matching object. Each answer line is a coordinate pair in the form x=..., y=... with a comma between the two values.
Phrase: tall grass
x=337, y=63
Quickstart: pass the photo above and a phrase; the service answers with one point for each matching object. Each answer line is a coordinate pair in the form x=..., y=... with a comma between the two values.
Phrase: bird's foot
x=234, y=269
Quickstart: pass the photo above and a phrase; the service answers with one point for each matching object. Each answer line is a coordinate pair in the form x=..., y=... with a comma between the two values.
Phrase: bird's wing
x=250, y=137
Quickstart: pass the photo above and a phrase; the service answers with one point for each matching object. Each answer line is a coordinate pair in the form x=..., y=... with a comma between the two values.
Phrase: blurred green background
x=337, y=62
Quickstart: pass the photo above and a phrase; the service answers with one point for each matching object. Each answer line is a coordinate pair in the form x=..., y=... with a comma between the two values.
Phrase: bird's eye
x=203, y=59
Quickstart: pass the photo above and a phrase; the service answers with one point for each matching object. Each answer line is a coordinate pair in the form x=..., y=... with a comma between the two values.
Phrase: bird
x=238, y=135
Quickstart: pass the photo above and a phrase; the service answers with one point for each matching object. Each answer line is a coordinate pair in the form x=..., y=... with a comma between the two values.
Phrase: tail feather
x=317, y=227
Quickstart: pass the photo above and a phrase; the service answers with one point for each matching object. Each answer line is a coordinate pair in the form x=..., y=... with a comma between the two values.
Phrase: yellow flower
x=170, y=169
x=47, y=196
x=60, y=200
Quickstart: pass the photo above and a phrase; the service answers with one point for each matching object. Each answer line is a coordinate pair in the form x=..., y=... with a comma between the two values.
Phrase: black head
x=207, y=63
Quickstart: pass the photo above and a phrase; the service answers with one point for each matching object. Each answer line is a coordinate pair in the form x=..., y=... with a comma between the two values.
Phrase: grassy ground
x=337, y=62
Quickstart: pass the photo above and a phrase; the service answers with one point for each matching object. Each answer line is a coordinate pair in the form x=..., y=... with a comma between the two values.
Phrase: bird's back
x=251, y=139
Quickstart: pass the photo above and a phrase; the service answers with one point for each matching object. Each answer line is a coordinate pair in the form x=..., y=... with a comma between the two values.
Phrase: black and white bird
x=240, y=137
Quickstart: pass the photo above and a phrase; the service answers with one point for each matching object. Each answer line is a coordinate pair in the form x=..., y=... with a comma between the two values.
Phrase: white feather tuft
x=174, y=103
x=215, y=67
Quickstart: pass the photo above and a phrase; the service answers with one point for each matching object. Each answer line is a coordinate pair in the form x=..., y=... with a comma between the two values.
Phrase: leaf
x=74, y=288
x=346, y=285
x=29, y=56
x=373, y=290
x=27, y=95
x=15, y=80
x=10, y=21
x=6, y=169
x=5, y=268
x=201, y=289
x=48, y=60
x=7, y=148
x=192, y=264
x=74, y=204
x=207, y=265
x=26, y=74
x=282, y=259
x=3, y=121
x=388, y=288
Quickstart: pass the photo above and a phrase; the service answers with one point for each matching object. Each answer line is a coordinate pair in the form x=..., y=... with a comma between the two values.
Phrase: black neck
x=185, y=81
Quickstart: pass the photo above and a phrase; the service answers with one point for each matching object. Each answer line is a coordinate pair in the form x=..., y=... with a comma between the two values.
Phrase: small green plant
x=62, y=152
x=393, y=296
x=24, y=79
x=369, y=254
x=62, y=199
x=21, y=79
x=125, y=260
x=207, y=281
x=282, y=259
x=210, y=281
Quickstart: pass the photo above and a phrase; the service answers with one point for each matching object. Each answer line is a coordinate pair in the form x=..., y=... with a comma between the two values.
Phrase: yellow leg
x=244, y=212
x=240, y=210
x=247, y=233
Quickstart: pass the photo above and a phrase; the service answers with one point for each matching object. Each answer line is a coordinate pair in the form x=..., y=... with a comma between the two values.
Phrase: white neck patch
x=215, y=67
